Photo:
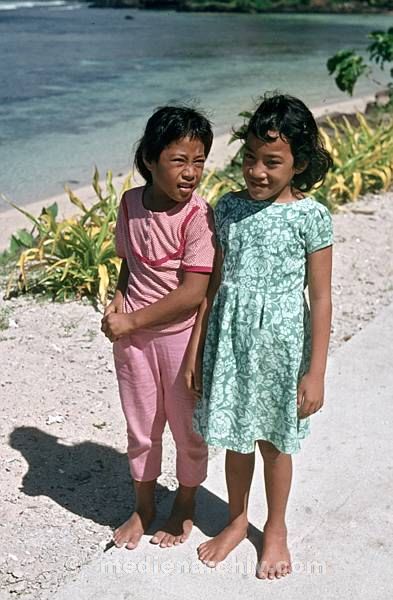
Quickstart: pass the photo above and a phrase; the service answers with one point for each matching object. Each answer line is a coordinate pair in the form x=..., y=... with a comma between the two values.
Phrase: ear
x=302, y=166
x=147, y=163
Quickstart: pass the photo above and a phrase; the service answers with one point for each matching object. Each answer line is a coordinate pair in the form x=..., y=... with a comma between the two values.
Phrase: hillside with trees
x=251, y=6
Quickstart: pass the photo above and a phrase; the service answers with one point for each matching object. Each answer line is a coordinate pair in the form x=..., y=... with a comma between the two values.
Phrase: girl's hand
x=116, y=306
x=193, y=376
x=115, y=325
x=111, y=308
x=310, y=395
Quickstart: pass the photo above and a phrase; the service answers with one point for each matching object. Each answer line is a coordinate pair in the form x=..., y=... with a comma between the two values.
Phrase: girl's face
x=268, y=168
x=177, y=172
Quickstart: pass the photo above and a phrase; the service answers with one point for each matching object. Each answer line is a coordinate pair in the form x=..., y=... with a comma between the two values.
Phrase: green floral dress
x=258, y=340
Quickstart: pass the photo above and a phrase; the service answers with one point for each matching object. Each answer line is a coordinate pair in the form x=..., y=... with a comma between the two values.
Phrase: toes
x=167, y=541
x=116, y=536
x=186, y=534
x=210, y=563
x=281, y=569
x=285, y=569
x=117, y=539
x=201, y=548
x=163, y=539
x=262, y=572
x=278, y=571
x=158, y=537
x=133, y=541
x=202, y=553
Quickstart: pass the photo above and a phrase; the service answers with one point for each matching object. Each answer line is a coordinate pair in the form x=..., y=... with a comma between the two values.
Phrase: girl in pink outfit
x=165, y=236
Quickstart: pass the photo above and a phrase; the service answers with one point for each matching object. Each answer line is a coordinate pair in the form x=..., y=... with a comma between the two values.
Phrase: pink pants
x=153, y=391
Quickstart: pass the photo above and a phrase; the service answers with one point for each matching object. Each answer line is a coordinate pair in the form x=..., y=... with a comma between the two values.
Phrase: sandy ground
x=64, y=475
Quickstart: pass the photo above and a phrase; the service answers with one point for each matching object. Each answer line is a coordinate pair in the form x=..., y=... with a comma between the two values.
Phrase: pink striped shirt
x=160, y=246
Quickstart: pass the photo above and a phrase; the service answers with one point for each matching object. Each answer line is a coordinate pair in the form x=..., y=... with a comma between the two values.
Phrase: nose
x=258, y=171
x=189, y=171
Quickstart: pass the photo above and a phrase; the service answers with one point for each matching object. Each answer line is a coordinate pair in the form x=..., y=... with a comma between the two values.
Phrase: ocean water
x=78, y=84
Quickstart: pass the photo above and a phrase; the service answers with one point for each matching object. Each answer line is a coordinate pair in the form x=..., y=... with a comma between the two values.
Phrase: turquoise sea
x=79, y=83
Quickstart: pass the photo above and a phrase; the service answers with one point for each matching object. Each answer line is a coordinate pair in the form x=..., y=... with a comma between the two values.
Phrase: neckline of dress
x=174, y=210
x=268, y=203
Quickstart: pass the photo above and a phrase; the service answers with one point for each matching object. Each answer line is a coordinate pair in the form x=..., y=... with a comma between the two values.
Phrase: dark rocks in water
x=116, y=4
x=155, y=4
x=129, y=17
x=162, y=4
x=250, y=6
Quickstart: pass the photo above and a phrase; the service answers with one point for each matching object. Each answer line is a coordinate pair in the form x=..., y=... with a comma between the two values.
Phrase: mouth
x=259, y=186
x=186, y=187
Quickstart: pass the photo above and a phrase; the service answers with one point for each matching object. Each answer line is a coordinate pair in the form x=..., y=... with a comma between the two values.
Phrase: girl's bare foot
x=218, y=548
x=275, y=560
x=178, y=527
x=132, y=530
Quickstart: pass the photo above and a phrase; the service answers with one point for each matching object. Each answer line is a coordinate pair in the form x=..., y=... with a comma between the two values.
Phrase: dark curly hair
x=166, y=125
x=294, y=122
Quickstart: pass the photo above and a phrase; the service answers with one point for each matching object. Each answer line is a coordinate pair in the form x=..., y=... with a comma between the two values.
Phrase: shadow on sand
x=93, y=482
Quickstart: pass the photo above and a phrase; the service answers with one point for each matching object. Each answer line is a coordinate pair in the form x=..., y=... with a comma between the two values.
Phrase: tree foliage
x=347, y=66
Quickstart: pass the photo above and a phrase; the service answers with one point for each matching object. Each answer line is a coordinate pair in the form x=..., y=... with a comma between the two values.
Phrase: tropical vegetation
x=75, y=257
x=348, y=66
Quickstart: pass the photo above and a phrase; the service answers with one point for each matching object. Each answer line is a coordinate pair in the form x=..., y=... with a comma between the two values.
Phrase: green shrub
x=347, y=66
x=75, y=257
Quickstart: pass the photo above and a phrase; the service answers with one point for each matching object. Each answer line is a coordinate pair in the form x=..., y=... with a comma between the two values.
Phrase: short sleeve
x=199, y=244
x=121, y=229
x=219, y=217
x=319, y=229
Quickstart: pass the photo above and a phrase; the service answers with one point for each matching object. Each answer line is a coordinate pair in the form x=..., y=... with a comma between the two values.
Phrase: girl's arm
x=116, y=305
x=193, y=360
x=181, y=301
x=311, y=386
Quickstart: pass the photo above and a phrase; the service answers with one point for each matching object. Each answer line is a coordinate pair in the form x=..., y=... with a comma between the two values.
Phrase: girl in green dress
x=264, y=349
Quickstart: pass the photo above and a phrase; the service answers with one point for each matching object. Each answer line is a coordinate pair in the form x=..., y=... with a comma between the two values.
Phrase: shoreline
x=221, y=152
